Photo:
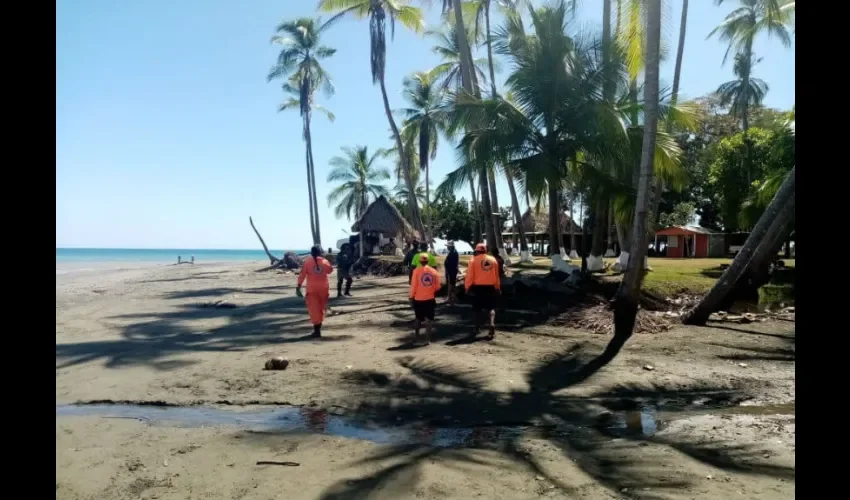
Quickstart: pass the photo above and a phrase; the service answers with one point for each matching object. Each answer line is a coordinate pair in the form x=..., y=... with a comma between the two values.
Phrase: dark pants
x=343, y=275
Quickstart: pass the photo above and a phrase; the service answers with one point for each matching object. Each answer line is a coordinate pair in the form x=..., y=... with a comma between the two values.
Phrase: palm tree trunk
x=674, y=99
x=309, y=190
x=767, y=223
x=489, y=230
x=745, y=120
x=405, y=162
x=626, y=301
x=475, y=211
x=523, y=246
x=554, y=223
x=317, y=238
x=272, y=259
x=494, y=199
x=610, y=229
x=466, y=65
x=428, y=234
x=572, y=202
x=489, y=48
x=597, y=248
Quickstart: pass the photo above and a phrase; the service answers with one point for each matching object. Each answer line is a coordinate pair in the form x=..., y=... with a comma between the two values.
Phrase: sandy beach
x=721, y=397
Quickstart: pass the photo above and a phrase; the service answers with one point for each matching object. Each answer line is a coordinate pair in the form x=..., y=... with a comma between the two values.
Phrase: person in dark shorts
x=423, y=289
x=452, y=266
x=483, y=283
x=408, y=259
x=344, y=261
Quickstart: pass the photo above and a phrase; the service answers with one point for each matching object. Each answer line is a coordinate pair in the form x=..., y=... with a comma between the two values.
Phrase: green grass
x=668, y=276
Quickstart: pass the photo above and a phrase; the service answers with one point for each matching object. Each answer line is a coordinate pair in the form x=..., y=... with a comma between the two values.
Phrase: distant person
x=408, y=259
x=500, y=260
x=423, y=250
x=315, y=270
x=193, y=259
x=452, y=266
x=483, y=283
x=178, y=259
x=344, y=261
x=423, y=290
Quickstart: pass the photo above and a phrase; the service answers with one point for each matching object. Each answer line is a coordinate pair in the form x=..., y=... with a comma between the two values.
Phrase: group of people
x=482, y=282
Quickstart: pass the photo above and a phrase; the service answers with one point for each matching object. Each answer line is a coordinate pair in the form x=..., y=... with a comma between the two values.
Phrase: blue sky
x=168, y=135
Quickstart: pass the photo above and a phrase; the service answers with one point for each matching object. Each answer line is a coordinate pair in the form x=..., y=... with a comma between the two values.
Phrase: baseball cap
x=481, y=247
x=423, y=258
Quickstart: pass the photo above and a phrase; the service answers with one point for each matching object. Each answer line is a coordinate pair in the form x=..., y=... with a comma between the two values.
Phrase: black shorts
x=484, y=297
x=424, y=309
x=451, y=277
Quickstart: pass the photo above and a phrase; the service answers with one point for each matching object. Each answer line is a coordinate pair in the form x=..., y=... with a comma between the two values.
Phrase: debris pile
x=599, y=319
x=277, y=363
x=378, y=267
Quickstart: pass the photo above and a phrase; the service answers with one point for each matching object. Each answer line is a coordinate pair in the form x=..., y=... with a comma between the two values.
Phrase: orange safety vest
x=482, y=270
x=424, y=284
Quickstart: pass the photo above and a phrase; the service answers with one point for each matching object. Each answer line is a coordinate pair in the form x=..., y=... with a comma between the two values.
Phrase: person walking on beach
x=452, y=266
x=423, y=290
x=344, y=261
x=408, y=259
x=315, y=270
x=483, y=283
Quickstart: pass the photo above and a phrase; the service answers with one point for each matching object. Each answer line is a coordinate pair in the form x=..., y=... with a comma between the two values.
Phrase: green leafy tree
x=359, y=177
x=682, y=215
x=454, y=219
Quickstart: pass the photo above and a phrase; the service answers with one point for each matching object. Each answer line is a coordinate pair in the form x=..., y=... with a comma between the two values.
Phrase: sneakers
x=317, y=331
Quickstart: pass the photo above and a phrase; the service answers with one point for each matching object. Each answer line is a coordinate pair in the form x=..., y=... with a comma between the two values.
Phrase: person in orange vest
x=315, y=270
x=424, y=285
x=483, y=283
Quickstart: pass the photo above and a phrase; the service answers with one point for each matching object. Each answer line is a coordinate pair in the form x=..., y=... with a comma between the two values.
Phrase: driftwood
x=272, y=259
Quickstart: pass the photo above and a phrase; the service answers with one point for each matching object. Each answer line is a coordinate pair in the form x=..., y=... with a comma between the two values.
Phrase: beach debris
x=743, y=365
x=277, y=363
x=378, y=267
x=648, y=368
x=600, y=320
x=276, y=462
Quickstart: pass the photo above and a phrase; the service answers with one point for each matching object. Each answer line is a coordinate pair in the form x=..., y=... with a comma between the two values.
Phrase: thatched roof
x=538, y=222
x=381, y=216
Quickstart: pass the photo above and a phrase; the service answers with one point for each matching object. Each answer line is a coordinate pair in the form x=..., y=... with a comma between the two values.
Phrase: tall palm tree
x=426, y=117
x=740, y=28
x=378, y=11
x=447, y=73
x=360, y=178
x=300, y=62
x=744, y=92
x=626, y=302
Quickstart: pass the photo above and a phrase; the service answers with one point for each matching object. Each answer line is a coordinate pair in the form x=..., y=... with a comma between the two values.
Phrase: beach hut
x=692, y=241
x=536, y=228
x=382, y=226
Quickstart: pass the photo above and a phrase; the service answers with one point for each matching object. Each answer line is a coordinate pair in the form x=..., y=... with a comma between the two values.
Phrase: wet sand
x=148, y=335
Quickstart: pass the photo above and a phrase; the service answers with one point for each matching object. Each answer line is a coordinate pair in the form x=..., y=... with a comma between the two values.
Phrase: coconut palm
x=360, y=178
x=744, y=92
x=300, y=62
x=378, y=11
x=426, y=117
x=447, y=73
x=627, y=298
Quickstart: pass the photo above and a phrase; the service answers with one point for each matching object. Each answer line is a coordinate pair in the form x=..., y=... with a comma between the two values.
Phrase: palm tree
x=744, y=92
x=555, y=115
x=359, y=175
x=425, y=118
x=768, y=229
x=377, y=11
x=300, y=62
x=447, y=73
x=626, y=302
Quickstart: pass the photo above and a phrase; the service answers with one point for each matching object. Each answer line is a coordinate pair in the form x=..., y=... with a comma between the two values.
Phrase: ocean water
x=87, y=259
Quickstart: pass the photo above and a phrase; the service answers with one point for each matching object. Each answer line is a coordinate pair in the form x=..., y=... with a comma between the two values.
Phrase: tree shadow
x=435, y=395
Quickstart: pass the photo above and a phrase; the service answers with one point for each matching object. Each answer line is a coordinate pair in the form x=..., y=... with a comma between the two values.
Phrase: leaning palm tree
x=300, y=62
x=627, y=298
x=378, y=11
x=360, y=178
x=426, y=118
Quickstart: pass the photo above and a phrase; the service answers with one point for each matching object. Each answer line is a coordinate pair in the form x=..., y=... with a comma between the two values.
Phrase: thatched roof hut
x=538, y=222
x=381, y=216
